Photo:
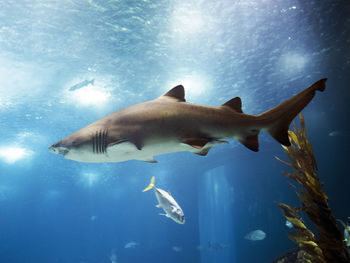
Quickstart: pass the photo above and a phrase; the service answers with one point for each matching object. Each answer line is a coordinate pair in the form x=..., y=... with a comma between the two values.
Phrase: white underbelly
x=127, y=151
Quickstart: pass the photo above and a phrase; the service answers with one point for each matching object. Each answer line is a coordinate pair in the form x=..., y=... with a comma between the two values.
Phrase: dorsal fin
x=235, y=104
x=177, y=93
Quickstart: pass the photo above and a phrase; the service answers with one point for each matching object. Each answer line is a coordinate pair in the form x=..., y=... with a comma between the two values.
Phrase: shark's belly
x=128, y=151
x=151, y=148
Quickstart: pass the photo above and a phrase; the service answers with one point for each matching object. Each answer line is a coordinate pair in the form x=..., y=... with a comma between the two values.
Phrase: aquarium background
x=54, y=210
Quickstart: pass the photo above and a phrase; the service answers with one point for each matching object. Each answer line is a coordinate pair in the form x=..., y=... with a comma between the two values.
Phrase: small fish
x=255, y=235
x=93, y=218
x=167, y=203
x=177, y=249
x=346, y=232
x=131, y=244
x=113, y=257
x=199, y=247
x=218, y=246
x=338, y=133
x=82, y=84
x=289, y=224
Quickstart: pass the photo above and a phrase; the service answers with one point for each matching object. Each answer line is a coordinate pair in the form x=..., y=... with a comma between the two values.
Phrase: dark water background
x=56, y=210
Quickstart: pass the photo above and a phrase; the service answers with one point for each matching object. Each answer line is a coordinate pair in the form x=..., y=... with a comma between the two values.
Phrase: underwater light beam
x=13, y=154
x=196, y=85
x=186, y=20
x=294, y=62
x=89, y=178
x=90, y=95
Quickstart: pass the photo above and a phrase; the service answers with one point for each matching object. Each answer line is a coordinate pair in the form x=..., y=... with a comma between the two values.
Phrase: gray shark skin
x=170, y=124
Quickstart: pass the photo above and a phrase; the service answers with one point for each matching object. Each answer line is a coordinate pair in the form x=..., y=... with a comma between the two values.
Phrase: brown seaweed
x=327, y=245
x=294, y=256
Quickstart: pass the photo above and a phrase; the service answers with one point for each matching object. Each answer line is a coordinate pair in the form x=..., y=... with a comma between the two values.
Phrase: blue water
x=54, y=210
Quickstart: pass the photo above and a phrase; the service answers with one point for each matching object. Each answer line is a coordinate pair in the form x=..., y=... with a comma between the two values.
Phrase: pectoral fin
x=163, y=214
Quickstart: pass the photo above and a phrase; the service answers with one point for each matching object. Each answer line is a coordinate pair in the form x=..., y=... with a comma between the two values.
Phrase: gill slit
x=99, y=142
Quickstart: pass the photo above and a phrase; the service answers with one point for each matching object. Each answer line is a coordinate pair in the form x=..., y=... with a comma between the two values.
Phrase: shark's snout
x=58, y=148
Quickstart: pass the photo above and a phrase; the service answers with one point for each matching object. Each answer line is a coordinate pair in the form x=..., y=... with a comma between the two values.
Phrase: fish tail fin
x=151, y=185
x=279, y=118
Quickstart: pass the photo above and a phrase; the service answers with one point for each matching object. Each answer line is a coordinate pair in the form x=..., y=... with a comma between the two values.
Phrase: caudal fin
x=151, y=185
x=279, y=118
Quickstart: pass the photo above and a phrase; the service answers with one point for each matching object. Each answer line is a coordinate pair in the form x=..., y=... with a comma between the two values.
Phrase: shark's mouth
x=59, y=150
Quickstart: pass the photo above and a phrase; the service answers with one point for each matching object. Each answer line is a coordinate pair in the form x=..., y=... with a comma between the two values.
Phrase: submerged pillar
x=216, y=222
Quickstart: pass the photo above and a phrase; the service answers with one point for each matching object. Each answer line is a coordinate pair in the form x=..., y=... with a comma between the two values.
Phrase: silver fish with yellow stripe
x=167, y=203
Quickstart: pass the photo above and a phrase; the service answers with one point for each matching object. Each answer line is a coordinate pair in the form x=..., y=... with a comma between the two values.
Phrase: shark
x=169, y=124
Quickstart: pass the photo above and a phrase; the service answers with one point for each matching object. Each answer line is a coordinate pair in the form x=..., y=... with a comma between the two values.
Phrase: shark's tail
x=279, y=118
x=151, y=185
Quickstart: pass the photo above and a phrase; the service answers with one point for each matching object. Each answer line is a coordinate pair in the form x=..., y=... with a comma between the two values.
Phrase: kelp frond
x=327, y=245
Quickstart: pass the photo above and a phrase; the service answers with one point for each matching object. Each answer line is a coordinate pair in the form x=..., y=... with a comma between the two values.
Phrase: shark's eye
x=75, y=142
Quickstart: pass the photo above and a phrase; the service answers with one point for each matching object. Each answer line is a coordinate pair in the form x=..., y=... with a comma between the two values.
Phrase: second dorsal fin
x=234, y=104
x=177, y=93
